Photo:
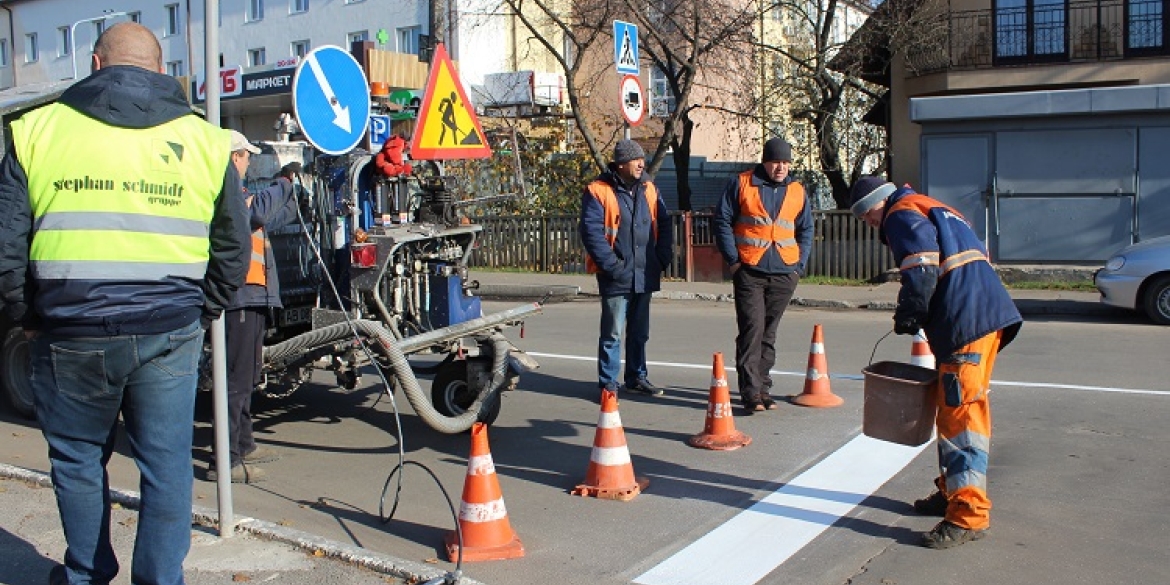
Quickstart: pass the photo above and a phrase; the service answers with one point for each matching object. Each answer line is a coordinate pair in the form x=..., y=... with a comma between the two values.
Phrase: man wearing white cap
x=950, y=289
x=246, y=317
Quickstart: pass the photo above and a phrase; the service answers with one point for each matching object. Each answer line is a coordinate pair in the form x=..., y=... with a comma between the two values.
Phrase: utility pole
x=439, y=26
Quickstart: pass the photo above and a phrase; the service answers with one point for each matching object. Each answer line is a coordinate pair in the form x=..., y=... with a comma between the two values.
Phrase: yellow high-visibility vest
x=111, y=203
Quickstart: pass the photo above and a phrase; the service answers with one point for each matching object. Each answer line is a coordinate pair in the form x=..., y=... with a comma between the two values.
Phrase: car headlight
x=1115, y=263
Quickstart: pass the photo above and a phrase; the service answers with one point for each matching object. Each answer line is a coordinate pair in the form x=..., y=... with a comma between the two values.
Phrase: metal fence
x=844, y=247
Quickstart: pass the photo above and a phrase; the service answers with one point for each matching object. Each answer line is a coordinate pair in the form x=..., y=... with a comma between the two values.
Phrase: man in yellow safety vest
x=123, y=230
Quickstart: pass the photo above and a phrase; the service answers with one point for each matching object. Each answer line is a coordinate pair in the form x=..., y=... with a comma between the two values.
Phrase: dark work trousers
x=760, y=300
x=245, y=349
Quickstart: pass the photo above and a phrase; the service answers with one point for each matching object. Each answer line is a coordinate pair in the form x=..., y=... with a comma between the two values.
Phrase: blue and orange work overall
x=950, y=287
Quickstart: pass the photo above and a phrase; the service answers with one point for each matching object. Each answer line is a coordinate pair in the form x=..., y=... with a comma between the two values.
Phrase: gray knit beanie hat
x=626, y=151
x=868, y=192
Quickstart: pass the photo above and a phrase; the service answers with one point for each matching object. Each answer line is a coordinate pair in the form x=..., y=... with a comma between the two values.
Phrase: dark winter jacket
x=635, y=262
x=272, y=208
x=128, y=97
x=955, y=306
x=727, y=211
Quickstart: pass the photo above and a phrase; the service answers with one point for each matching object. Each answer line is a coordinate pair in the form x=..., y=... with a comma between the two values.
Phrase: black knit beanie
x=775, y=150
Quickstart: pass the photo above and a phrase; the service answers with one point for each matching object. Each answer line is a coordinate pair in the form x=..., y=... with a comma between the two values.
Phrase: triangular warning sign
x=447, y=125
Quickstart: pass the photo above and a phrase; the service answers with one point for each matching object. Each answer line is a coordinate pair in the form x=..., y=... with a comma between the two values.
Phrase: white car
x=1138, y=277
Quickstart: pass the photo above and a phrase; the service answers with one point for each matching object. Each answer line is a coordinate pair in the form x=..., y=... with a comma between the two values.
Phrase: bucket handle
x=875, y=346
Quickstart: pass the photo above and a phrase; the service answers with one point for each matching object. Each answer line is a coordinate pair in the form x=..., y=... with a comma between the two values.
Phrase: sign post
x=331, y=99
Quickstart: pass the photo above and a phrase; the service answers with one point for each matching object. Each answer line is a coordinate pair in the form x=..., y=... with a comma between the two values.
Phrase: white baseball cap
x=240, y=142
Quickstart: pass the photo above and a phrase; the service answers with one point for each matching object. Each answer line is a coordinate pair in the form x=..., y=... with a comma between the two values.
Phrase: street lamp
x=73, y=34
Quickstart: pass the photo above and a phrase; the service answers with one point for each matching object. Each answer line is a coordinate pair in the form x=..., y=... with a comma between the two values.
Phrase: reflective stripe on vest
x=140, y=211
x=605, y=194
x=923, y=205
x=256, y=273
x=755, y=231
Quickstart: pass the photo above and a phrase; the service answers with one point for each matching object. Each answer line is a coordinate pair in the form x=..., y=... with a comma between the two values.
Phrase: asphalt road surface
x=1078, y=470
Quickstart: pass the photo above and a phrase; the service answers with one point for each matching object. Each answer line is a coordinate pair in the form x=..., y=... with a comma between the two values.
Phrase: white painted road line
x=787, y=519
x=856, y=377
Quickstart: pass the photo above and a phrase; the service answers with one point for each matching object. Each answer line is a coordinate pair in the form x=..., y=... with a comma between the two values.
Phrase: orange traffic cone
x=487, y=534
x=920, y=352
x=610, y=475
x=719, y=431
x=816, y=383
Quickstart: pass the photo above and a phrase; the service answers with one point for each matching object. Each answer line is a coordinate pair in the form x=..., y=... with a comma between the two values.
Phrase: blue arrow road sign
x=331, y=99
x=625, y=47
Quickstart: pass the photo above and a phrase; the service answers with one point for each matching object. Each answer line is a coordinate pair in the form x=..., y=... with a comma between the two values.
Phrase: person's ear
x=95, y=63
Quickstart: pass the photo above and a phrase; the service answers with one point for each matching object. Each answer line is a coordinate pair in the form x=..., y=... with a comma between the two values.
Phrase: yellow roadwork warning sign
x=447, y=125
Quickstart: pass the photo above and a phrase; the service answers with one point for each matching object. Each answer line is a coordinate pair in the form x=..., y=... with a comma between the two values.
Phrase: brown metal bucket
x=899, y=402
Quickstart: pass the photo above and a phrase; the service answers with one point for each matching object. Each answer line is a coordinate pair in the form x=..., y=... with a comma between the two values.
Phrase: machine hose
x=389, y=348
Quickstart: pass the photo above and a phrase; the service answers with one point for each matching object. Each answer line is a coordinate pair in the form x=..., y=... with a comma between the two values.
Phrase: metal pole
x=227, y=521
x=73, y=36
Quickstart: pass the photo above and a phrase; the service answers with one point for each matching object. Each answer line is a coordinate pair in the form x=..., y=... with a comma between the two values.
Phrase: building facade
x=1043, y=122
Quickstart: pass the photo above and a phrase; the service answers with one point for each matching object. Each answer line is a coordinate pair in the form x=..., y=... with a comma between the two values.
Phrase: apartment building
x=51, y=40
x=1045, y=123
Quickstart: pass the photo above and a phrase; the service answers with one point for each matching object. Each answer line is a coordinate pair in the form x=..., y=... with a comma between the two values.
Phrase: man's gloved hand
x=906, y=325
x=290, y=170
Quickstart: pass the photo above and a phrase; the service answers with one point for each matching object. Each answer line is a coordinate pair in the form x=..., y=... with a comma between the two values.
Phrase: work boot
x=947, y=535
x=57, y=575
x=644, y=386
x=261, y=455
x=933, y=505
x=241, y=474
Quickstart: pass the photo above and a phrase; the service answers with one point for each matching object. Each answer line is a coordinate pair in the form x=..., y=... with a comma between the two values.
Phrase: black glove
x=906, y=325
x=291, y=169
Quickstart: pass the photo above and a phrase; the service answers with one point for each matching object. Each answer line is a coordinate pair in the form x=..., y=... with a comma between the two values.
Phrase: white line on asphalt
x=787, y=519
x=855, y=377
x=794, y=515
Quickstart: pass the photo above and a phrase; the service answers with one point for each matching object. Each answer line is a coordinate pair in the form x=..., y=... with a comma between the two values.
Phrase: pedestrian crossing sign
x=625, y=47
x=447, y=125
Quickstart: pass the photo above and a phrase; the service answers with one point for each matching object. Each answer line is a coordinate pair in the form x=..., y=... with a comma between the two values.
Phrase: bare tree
x=829, y=102
x=555, y=25
x=700, y=47
x=685, y=40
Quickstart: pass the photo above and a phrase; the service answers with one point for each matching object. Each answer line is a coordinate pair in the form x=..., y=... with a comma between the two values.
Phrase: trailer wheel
x=451, y=395
x=16, y=370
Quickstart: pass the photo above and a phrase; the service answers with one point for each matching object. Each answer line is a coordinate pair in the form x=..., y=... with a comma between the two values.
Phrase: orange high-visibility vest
x=256, y=272
x=755, y=231
x=605, y=193
x=922, y=205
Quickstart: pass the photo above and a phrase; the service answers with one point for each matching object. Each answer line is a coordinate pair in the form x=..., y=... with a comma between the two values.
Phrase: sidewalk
x=31, y=540
x=881, y=297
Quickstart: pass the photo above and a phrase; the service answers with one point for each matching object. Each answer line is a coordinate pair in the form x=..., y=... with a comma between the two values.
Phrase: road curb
x=410, y=571
x=1027, y=307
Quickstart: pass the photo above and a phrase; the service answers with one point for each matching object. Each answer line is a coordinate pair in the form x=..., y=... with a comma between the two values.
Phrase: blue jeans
x=80, y=385
x=629, y=313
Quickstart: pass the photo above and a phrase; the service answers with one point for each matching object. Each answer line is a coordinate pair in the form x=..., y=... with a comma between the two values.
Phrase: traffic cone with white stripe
x=487, y=534
x=719, y=432
x=920, y=354
x=817, y=392
x=611, y=474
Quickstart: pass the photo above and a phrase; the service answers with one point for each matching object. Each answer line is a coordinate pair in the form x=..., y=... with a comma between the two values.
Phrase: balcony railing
x=1040, y=31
